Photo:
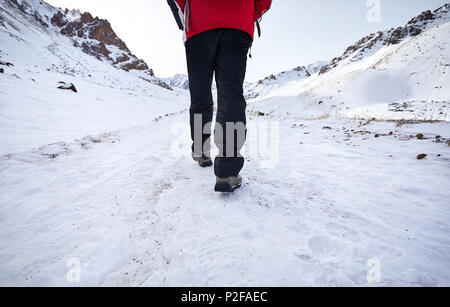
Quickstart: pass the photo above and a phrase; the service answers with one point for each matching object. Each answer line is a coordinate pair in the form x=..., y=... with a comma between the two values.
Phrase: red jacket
x=202, y=15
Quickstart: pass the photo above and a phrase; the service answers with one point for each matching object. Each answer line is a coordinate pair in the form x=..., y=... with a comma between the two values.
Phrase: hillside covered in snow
x=42, y=49
x=411, y=64
x=264, y=86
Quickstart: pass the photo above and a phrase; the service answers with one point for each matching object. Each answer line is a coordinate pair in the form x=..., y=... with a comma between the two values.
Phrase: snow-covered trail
x=134, y=214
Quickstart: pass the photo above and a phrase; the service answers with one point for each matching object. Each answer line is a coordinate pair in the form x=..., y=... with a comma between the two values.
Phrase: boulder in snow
x=6, y=63
x=421, y=156
x=67, y=86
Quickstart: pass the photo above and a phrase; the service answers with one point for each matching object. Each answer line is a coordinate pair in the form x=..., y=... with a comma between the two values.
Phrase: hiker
x=217, y=36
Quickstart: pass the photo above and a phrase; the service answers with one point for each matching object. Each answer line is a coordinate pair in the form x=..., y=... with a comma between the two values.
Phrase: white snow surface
x=133, y=214
x=104, y=175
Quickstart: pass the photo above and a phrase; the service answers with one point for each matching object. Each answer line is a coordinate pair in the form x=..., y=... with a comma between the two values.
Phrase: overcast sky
x=294, y=32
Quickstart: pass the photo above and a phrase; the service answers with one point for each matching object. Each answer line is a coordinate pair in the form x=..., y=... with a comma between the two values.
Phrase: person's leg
x=200, y=54
x=231, y=64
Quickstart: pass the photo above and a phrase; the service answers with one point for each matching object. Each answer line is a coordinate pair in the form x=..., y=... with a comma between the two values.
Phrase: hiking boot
x=229, y=184
x=203, y=161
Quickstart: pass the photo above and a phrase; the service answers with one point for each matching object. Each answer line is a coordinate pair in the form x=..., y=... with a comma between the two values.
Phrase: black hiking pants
x=223, y=52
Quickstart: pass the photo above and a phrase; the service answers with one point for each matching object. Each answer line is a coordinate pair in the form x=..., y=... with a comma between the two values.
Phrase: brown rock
x=67, y=86
x=122, y=58
x=2, y=70
x=94, y=36
x=87, y=18
x=137, y=65
x=59, y=20
x=421, y=156
x=420, y=136
x=6, y=63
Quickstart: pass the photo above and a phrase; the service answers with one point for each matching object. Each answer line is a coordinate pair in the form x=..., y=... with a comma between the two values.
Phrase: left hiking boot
x=229, y=184
x=203, y=161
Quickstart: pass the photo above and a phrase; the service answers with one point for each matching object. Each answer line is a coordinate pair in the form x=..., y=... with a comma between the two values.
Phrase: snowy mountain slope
x=179, y=81
x=92, y=35
x=271, y=82
x=408, y=80
x=33, y=112
x=315, y=67
x=182, y=81
x=374, y=42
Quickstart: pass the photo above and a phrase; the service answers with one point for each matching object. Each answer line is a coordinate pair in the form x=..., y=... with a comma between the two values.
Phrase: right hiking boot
x=203, y=161
x=229, y=184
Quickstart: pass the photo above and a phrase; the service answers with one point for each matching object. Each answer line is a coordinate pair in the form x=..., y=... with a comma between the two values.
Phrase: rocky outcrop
x=373, y=42
x=97, y=38
x=414, y=27
x=6, y=63
x=67, y=86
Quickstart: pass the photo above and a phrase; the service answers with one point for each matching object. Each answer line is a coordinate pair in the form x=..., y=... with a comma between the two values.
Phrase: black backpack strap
x=258, y=26
x=174, y=9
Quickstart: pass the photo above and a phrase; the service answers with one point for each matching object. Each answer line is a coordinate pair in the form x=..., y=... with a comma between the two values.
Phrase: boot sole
x=225, y=188
x=205, y=164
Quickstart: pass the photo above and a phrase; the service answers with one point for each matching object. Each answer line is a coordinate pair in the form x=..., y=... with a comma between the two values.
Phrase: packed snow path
x=134, y=214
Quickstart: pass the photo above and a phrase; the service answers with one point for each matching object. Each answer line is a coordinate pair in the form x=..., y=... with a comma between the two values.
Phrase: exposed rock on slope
x=67, y=86
x=96, y=37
